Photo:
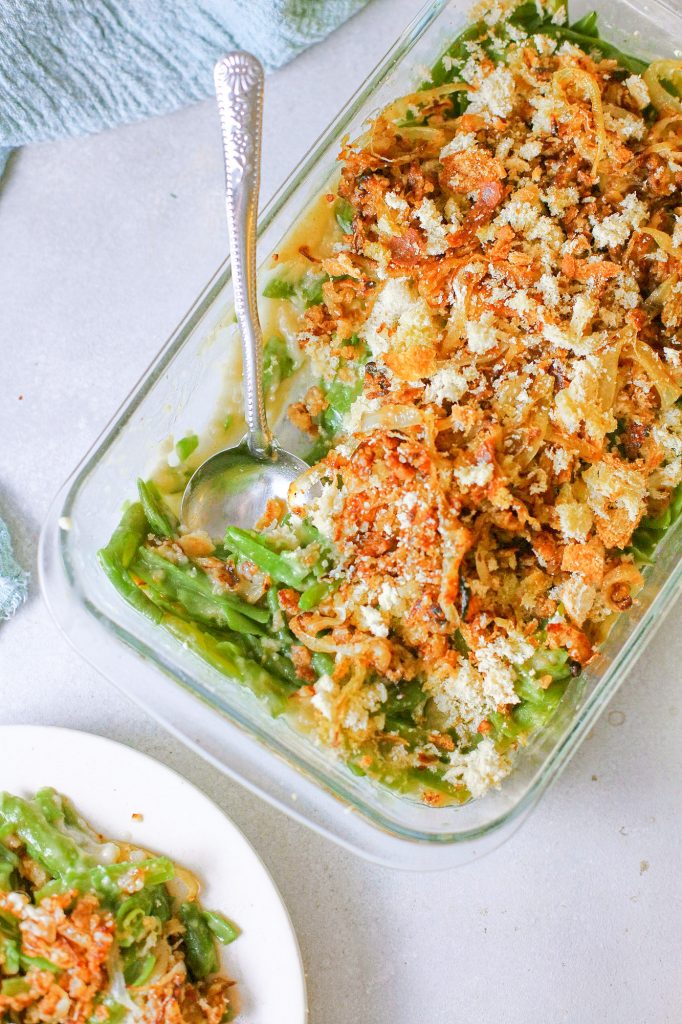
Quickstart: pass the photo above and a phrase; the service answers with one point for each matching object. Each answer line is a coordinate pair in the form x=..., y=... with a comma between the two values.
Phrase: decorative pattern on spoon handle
x=239, y=80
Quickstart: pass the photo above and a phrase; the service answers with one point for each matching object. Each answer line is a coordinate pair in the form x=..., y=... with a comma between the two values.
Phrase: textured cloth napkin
x=13, y=580
x=68, y=67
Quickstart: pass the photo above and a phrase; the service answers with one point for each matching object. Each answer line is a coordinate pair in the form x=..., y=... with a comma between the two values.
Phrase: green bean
x=161, y=905
x=550, y=662
x=129, y=590
x=456, y=51
x=279, y=288
x=412, y=734
x=10, y=957
x=225, y=931
x=529, y=690
x=128, y=536
x=56, y=852
x=48, y=802
x=305, y=292
x=344, y=216
x=340, y=395
x=186, y=445
x=309, y=290
x=324, y=664
x=39, y=963
x=313, y=595
x=528, y=716
x=355, y=768
x=403, y=699
x=9, y=925
x=194, y=591
x=192, y=578
x=307, y=533
x=281, y=567
x=277, y=363
x=416, y=780
x=66, y=809
x=139, y=970
x=106, y=879
x=590, y=42
x=587, y=25
x=279, y=628
x=159, y=517
x=651, y=530
x=273, y=661
x=130, y=917
x=117, y=1013
x=14, y=987
x=263, y=684
x=200, y=951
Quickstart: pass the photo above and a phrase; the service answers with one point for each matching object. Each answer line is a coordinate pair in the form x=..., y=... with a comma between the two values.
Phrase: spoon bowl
x=233, y=486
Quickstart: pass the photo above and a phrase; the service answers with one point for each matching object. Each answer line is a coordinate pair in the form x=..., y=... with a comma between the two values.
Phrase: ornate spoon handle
x=239, y=81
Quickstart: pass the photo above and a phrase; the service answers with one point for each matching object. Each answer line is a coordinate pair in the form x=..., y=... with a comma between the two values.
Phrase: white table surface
x=104, y=244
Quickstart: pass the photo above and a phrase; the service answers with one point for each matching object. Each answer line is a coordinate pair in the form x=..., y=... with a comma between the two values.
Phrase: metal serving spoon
x=232, y=487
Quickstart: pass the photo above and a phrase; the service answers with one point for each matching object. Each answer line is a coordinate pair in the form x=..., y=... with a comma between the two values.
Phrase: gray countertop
x=105, y=242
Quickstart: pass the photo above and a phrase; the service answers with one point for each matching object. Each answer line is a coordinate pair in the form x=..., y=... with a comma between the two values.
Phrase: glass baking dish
x=180, y=391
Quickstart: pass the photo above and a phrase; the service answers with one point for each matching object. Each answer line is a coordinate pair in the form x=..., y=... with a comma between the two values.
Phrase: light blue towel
x=68, y=67
x=13, y=580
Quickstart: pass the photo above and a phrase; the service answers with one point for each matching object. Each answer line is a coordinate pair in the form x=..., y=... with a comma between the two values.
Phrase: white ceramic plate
x=108, y=783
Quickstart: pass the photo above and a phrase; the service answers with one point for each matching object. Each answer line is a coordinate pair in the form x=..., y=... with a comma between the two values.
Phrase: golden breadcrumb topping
x=509, y=294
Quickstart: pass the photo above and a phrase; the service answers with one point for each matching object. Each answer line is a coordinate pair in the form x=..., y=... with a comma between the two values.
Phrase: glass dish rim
x=604, y=687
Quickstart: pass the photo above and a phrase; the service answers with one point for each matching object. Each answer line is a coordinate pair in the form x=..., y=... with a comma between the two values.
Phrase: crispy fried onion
x=660, y=71
x=658, y=297
x=664, y=242
x=619, y=584
x=665, y=126
x=587, y=83
x=665, y=137
x=394, y=417
x=421, y=100
x=301, y=489
x=656, y=371
x=373, y=650
x=384, y=126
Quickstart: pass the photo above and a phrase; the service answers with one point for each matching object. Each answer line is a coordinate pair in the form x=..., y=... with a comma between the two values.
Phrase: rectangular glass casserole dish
x=179, y=394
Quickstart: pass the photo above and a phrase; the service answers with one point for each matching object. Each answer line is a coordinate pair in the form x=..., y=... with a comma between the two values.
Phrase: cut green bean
x=12, y=987
x=186, y=446
x=313, y=595
x=38, y=963
x=279, y=288
x=225, y=931
x=56, y=852
x=200, y=951
x=323, y=664
x=271, y=660
x=344, y=214
x=128, y=536
x=10, y=958
x=281, y=567
x=162, y=522
x=231, y=664
x=194, y=591
x=277, y=363
x=139, y=971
